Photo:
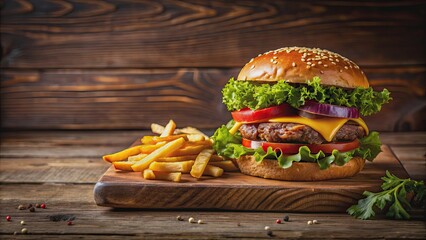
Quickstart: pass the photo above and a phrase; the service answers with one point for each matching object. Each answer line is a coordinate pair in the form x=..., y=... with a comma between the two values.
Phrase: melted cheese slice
x=235, y=128
x=326, y=126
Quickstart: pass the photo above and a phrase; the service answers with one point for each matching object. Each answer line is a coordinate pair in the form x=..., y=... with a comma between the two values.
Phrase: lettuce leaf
x=241, y=94
x=230, y=146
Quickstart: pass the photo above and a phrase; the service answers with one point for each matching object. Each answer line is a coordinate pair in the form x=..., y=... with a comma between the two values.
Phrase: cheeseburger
x=297, y=115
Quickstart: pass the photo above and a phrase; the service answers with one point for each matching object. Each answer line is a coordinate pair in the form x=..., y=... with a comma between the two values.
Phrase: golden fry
x=227, y=165
x=196, y=138
x=136, y=157
x=172, y=176
x=151, y=148
x=189, y=150
x=213, y=171
x=147, y=140
x=168, y=138
x=148, y=174
x=123, y=165
x=201, y=162
x=203, y=142
x=191, y=130
x=216, y=158
x=177, y=159
x=122, y=155
x=161, y=152
x=169, y=129
x=184, y=166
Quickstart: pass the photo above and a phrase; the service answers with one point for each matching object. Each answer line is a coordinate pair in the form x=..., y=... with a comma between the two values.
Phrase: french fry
x=163, y=151
x=177, y=159
x=156, y=139
x=189, y=150
x=151, y=148
x=157, y=128
x=203, y=142
x=227, y=165
x=201, y=162
x=147, y=140
x=213, y=171
x=122, y=155
x=183, y=167
x=196, y=137
x=123, y=165
x=216, y=158
x=148, y=174
x=136, y=158
x=169, y=129
x=173, y=176
x=191, y=130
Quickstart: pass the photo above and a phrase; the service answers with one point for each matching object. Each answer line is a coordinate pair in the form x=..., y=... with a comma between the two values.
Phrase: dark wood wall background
x=124, y=64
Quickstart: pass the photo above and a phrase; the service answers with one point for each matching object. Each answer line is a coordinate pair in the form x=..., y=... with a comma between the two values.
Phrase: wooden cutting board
x=236, y=191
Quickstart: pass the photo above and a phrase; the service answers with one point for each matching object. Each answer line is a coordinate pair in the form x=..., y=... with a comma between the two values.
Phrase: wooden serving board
x=236, y=191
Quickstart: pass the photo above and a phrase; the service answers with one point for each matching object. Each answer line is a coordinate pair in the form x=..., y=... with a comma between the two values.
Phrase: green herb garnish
x=394, y=195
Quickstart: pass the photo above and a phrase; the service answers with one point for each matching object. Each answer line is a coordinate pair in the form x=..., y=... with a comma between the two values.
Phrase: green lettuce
x=241, y=94
x=230, y=146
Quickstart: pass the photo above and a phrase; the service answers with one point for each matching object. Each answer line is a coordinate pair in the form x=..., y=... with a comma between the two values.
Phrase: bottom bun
x=299, y=171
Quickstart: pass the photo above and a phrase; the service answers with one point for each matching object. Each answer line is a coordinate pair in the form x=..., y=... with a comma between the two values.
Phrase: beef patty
x=297, y=133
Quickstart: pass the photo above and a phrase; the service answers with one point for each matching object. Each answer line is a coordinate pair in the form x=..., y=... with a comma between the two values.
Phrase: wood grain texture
x=141, y=34
x=133, y=99
x=92, y=222
x=236, y=191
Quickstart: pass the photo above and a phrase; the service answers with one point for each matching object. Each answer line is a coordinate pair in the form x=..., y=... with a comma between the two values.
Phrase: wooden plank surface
x=142, y=34
x=134, y=98
x=65, y=195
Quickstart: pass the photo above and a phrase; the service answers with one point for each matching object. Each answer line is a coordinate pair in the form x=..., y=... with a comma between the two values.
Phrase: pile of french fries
x=173, y=152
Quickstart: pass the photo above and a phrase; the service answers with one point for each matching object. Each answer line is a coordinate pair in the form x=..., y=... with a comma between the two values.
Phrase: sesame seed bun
x=298, y=64
x=299, y=171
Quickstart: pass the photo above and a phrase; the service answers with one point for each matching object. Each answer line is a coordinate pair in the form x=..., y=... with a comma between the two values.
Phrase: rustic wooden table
x=60, y=168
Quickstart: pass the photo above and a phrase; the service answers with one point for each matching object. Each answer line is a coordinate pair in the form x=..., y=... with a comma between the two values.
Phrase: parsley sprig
x=394, y=195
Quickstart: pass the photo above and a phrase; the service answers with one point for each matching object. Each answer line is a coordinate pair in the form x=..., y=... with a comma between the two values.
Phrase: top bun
x=299, y=64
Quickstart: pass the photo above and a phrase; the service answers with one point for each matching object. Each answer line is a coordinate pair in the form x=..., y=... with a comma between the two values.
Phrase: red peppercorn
x=43, y=205
x=8, y=218
x=69, y=223
x=278, y=221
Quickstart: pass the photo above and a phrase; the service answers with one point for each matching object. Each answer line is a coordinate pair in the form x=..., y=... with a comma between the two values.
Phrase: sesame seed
x=274, y=57
x=346, y=67
x=309, y=63
x=252, y=67
x=293, y=64
x=251, y=60
x=303, y=60
x=313, y=64
x=321, y=71
x=307, y=67
x=337, y=60
x=340, y=70
x=325, y=65
x=333, y=63
x=319, y=62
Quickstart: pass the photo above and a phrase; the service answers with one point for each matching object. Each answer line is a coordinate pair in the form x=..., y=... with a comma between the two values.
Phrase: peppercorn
x=24, y=231
x=69, y=223
x=43, y=205
x=32, y=209
x=278, y=221
x=269, y=233
x=38, y=205
x=22, y=207
x=286, y=218
x=8, y=218
x=30, y=205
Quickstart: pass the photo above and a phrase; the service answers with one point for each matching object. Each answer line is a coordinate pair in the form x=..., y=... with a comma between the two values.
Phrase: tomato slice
x=247, y=115
x=293, y=148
